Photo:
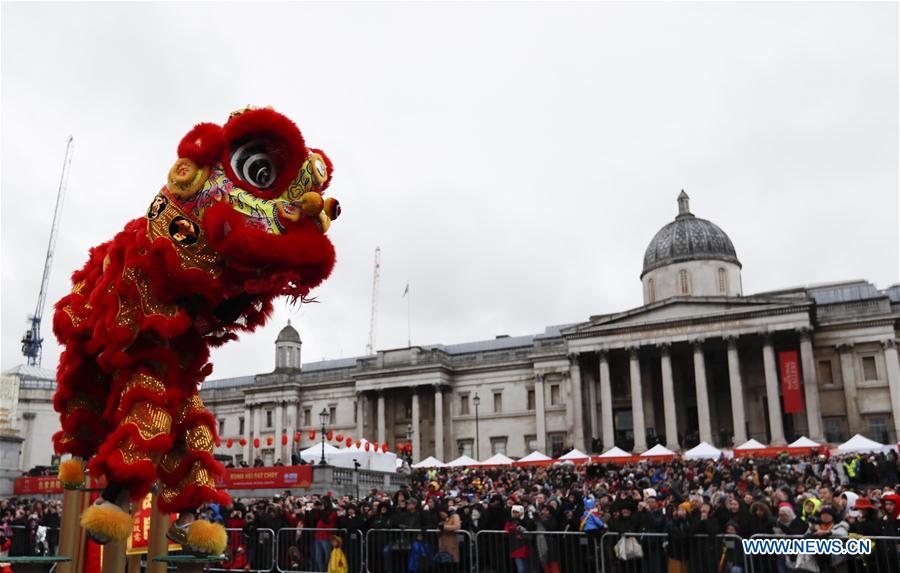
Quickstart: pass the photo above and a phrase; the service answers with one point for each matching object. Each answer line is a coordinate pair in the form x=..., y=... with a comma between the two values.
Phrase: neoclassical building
x=699, y=361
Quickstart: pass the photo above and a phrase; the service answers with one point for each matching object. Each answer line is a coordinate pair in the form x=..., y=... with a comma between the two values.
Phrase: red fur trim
x=77, y=447
x=266, y=122
x=179, y=472
x=203, y=144
x=303, y=253
x=328, y=165
x=137, y=478
x=192, y=497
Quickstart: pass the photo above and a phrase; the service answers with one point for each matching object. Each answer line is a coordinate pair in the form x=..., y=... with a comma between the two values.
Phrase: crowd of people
x=29, y=527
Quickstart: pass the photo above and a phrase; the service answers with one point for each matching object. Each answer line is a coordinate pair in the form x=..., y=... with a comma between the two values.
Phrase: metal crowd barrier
x=32, y=542
x=417, y=550
x=255, y=548
x=664, y=552
x=308, y=550
x=884, y=558
x=537, y=552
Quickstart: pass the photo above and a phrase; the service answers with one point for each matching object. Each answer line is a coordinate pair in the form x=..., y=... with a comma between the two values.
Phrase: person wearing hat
x=890, y=506
x=828, y=524
x=519, y=547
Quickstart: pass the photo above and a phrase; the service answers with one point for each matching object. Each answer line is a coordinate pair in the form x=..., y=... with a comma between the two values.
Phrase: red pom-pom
x=330, y=435
x=255, y=442
x=269, y=441
x=203, y=144
x=284, y=440
x=243, y=442
x=229, y=442
x=312, y=434
x=349, y=442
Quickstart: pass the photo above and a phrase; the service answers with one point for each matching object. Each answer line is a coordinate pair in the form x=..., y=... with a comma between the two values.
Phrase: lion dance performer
x=240, y=221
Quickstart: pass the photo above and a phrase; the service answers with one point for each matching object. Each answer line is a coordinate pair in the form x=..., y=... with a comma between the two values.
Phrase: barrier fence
x=37, y=541
x=884, y=558
x=414, y=550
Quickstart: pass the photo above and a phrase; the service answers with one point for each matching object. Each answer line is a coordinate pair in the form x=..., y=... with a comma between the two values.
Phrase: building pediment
x=684, y=310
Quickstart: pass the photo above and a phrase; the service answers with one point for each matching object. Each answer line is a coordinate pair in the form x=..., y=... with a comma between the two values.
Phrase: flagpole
x=408, y=319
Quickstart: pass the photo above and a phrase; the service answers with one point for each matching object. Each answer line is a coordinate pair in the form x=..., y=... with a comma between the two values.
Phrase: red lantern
x=358, y=444
x=330, y=435
x=229, y=442
x=297, y=437
x=399, y=447
x=284, y=439
x=367, y=446
x=255, y=442
x=339, y=437
x=243, y=442
x=408, y=447
x=349, y=441
x=384, y=447
x=312, y=434
x=269, y=441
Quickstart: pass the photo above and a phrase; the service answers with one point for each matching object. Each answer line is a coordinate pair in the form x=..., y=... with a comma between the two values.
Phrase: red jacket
x=329, y=522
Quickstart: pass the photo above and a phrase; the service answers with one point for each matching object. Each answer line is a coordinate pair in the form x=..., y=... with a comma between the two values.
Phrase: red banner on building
x=37, y=485
x=279, y=477
x=790, y=382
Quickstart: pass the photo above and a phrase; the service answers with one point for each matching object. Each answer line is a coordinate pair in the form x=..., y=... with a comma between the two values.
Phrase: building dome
x=688, y=238
x=288, y=334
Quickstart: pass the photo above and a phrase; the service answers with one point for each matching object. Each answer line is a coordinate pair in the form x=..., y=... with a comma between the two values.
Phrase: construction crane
x=32, y=341
x=370, y=347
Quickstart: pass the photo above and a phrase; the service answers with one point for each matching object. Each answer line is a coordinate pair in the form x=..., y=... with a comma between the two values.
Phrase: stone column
x=381, y=424
x=848, y=377
x=637, y=403
x=291, y=430
x=27, y=431
x=540, y=415
x=668, y=390
x=738, y=414
x=893, y=376
x=257, y=415
x=279, y=430
x=592, y=404
x=416, y=435
x=811, y=387
x=248, y=447
x=577, y=411
x=702, y=393
x=439, y=422
x=609, y=436
x=360, y=415
x=776, y=427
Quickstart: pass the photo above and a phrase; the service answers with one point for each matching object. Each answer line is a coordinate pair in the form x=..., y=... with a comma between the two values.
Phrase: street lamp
x=356, y=465
x=476, y=400
x=408, y=453
x=323, y=417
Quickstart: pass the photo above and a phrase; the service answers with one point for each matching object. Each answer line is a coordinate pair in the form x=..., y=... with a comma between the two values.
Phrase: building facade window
x=465, y=447
x=878, y=429
x=498, y=401
x=826, y=375
x=531, y=405
x=870, y=371
x=332, y=414
x=554, y=394
x=463, y=404
x=307, y=416
x=241, y=426
x=723, y=281
x=268, y=418
x=221, y=427
x=834, y=430
x=531, y=444
x=498, y=446
x=684, y=282
x=557, y=443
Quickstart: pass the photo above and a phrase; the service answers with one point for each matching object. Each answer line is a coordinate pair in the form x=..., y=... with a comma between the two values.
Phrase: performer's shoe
x=199, y=537
x=105, y=521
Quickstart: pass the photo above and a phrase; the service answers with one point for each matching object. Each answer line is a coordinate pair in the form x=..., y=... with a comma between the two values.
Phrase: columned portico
x=439, y=422
x=703, y=412
x=811, y=387
x=291, y=430
x=416, y=434
x=248, y=440
x=381, y=421
x=577, y=411
x=736, y=386
x=360, y=414
x=540, y=418
x=776, y=426
x=848, y=377
x=668, y=390
x=606, y=411
x=637, y=401
x=256, y=436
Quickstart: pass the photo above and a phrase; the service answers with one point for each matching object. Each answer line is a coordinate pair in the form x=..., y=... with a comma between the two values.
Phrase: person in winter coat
x=547, y=545
x=732, y=560
x=337, y=561
x=761, y=520
x=519, y=549
x=448, y=541
x=810, y=508
x=704, y=530
x=679, y=547
x=867, y=524
x=824, y=527
x=787, y=522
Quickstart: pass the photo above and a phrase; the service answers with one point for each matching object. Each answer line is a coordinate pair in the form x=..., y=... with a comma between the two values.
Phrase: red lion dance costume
x=241, y=221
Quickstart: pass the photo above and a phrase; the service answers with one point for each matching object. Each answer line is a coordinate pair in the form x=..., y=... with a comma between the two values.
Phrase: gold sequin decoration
x=192, y=404
x=75, y=319
x=199, y=438
x=151, y=420
x=142, y=380
x=131, y=454
x=198, y=255
x=83, y=402
x=149, y=304
x=172, y=460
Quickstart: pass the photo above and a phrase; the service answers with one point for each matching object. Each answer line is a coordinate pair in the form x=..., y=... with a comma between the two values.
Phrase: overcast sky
x=512, y=160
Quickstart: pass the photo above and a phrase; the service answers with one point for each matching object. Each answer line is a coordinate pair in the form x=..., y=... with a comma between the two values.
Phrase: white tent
x=535, y=457
x=615, y=452
x=750, y=444
x=861, y=444
x=430, y=462
x=497, y=460
x=702, y=451
x=657, y=450
x=575, y=455
x=462, y=461
x=374, y=459
x=804, y=442
x=314, y=453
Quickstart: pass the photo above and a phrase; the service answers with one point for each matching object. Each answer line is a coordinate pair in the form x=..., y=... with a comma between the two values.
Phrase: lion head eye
x=254, y=163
